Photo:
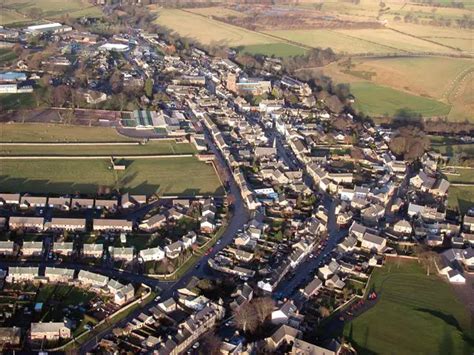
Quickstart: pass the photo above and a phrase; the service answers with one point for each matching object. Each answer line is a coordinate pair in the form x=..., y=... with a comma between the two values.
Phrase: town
x=313, y=201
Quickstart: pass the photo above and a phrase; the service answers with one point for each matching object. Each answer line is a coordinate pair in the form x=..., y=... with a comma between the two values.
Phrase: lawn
x=376, y=100
x=31, y=132
x=6, y=56
x=150, y=148
x=415, y=314
x=184, y=176
x=462, y=176
x=461, y=198
x=16, y=101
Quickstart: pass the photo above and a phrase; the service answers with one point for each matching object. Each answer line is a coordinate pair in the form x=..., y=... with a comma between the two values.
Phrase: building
x=153, y=223
x=92, y=279
x=7, y=248
x=173, y=250
x=10, y=336
x=9, y=199
x=50, y=331
x=114, y=47
x=152, y=254
x=32, y=248
x=56, y=274
x=69, y=224
x=63, y=248
x=19, y=273
x=61, y=203
x=33, y=202
x=48, y=28
x=93, y=250
x=373, y=242
x=124, y=253
x=112, y=225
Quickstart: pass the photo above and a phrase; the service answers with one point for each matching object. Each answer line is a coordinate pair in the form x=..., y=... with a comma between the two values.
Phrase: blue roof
x=12, y=76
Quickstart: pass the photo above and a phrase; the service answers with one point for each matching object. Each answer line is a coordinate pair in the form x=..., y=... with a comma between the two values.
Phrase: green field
x=186, y=176
x=415, y=314
x=149, y=148
x=6, y=56
x=461, y=198
x=376, y=100
x=274, y=49
x=19, y=10
x=50, y=133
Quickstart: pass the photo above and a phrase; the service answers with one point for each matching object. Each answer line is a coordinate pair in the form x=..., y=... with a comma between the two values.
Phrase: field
x=14, y=11
x=147, y=176
x=31, y=132
x=415, y=314
x=150, y=148
x=376, y=100
x=461, y=198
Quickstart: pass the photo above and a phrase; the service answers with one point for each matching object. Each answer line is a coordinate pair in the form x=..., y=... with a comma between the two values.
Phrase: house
x=283, y=335
x=63, y=248
x=348, y=244
x=153, y=223
x=373, y=242
x=301, y=347
x=82, y=203
x=69, y=224
x=61, y=203
x=242, y=295
x=152, y=254
x=456, y=277
x=173, y=250
x=402, y=227
x=7, y=248
x=468, y=223
x=328, y=270
x=109, y=205
x=168, y=305
x=188, y=240
x=207, y=224
x=112, y=225
x=50, y=331
x=56, y=274
x=9, y=199
x=32, y=202
x=123, y=253
x=124, y=295
x=32, y=248
x=335, y=282
x=31, y=223
x=19, y=273
x=10, y=336
x=92, y=250
x=92, y=279
x=312, y=288
x=288, y=314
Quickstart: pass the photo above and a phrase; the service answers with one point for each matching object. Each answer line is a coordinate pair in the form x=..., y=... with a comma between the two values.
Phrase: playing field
x=415, y=314
x=184, y=176
x=376, y=100
x=274, y=49
x=461, y=198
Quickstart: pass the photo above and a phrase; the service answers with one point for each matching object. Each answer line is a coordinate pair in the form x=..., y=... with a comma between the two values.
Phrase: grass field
x=415, y=314
x=209, y=31
x=339, y=42
x=150, y=148
x=31, y=132
x=461, y=198
x=186, y=176
x=18, y=10
x=274, y=49
x=376, y=100
x=6, y=56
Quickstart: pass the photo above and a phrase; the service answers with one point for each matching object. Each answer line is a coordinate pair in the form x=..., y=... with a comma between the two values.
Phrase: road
x=239, y=218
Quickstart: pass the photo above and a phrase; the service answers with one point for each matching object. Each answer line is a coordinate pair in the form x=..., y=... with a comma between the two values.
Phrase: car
x=218, y=242
x=196, y=345
x=157, y=298
x=198, y=265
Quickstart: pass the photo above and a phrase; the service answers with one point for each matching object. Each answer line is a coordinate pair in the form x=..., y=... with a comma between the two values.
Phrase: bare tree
x=245, y=318
x=211, y=343
x=61, y=94
x=263, y=308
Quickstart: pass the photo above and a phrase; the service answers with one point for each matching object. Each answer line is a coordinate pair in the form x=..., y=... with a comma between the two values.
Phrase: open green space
x=6, y=56
x=462, y=176
x=461, y=198
x=415, y=314
x=16, y=101
x=376, y=100
x=51, y=133
x=274, y=49
x=21, y=10
x=183, y=176
x=149, y=148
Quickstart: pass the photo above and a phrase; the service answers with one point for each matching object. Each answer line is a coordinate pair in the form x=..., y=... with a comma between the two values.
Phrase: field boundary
x=92, y=157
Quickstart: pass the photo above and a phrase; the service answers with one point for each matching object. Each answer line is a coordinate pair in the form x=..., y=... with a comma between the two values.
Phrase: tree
x=211, y=343
x=245, y=318
x=149, y=88
x=263, y=308
x=324, y=311
x=61, y=94
x=116, y=82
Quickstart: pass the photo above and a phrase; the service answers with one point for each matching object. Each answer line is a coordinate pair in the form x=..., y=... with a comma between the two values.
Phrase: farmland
x=17, y=11
x=146, y=176
x=415, y=314
x=376, y=100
